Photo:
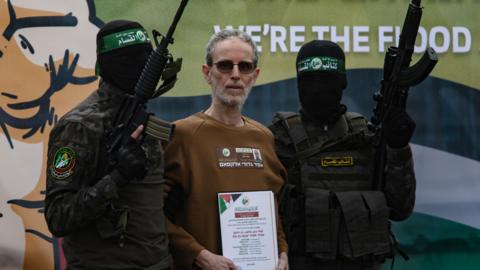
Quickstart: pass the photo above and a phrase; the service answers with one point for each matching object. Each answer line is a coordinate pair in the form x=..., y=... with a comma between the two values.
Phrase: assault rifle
x=132, y=112
x=398, y=76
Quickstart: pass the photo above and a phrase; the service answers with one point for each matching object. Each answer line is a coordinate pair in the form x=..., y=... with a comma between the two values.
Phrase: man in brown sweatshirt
x=193, y=159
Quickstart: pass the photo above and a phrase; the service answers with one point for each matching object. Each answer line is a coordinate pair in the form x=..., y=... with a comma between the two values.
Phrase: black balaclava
x=321, y=79
x=123, y=48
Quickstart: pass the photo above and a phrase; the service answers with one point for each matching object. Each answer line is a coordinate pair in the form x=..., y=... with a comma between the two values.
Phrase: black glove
x=399, y=128
x=131, y=163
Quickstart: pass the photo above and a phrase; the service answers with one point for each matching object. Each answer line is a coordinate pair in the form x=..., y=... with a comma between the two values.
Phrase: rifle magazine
x=159, y=129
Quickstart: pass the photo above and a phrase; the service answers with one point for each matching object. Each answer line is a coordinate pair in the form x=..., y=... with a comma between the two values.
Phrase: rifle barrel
x=176, y=19
x=151, y=73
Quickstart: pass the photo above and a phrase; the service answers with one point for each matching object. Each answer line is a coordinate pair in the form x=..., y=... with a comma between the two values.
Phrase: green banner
x=364, y=28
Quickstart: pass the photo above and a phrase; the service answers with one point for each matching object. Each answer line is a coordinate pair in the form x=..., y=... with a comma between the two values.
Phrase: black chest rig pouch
x=329, y=210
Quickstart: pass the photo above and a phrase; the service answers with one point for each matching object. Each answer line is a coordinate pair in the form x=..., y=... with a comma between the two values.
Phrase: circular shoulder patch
x=63, y=163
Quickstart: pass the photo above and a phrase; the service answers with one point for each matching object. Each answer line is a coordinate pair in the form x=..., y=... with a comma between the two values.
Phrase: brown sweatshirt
x=202, y=159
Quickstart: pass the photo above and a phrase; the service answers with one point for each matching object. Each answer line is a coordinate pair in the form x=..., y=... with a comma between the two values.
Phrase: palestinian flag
x=226, y=200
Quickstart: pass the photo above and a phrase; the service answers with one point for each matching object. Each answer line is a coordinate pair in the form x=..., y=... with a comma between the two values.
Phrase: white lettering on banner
x=254, y=31
x=359, y=38
x=296, y=40
x=457, y=32
x=422, y=32
x=345, y=39
x=384, y=36
x=278, y=37
x=320, y=31
x=355, y=39
x=437, y=35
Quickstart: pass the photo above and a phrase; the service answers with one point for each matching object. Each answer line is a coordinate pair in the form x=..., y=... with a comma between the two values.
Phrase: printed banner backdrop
x=47, y=59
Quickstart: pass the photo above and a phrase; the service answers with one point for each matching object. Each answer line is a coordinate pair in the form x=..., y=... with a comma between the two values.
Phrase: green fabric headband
x=122, y=39
x=321, y=63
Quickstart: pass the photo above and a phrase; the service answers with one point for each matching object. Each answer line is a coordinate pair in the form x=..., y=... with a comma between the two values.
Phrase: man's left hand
x=282, y=261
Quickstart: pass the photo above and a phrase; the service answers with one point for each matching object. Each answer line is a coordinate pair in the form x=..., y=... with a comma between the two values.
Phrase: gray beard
x=232, y=102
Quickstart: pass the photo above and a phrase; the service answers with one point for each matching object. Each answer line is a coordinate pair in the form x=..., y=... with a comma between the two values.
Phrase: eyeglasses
x=226, y=66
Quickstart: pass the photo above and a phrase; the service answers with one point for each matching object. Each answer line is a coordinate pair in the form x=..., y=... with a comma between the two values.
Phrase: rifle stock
x=398, y=76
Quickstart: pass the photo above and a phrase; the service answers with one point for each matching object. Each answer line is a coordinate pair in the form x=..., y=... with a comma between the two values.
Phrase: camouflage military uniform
x=104, y=226
x=332, y=217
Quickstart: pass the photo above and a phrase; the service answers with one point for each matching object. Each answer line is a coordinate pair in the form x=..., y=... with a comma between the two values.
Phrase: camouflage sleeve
x=400, y=182
x=73, y=198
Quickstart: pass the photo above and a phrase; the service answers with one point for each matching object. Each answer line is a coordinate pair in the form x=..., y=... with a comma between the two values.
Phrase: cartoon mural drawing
x=47, y=59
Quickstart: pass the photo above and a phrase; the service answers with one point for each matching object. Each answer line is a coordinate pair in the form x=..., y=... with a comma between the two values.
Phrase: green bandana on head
x=122, y=39
x=321, y=63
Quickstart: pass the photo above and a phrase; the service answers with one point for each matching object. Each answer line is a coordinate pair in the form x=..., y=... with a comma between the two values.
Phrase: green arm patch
x=64, y=162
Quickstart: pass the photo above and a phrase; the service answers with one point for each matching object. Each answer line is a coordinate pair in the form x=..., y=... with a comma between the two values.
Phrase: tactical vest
x=328, y=208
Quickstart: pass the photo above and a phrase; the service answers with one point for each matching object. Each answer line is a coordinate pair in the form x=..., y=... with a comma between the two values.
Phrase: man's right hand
x=399, y=128
x=132, y=160
x=206, y=260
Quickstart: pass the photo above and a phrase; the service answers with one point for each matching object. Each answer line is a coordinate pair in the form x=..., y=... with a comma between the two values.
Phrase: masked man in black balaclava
x=121, y=60
x=321, y=79
x=110, y=218
x=331, y=215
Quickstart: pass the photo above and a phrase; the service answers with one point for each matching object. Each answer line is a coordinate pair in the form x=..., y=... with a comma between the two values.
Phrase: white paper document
x=248, y=229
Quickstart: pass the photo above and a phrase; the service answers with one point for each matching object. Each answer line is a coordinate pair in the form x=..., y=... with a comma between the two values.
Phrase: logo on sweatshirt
x=239, y=157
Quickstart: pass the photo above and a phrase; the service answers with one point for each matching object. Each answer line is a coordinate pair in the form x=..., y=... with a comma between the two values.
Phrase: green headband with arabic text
x=122, y=39
x=321, y=63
